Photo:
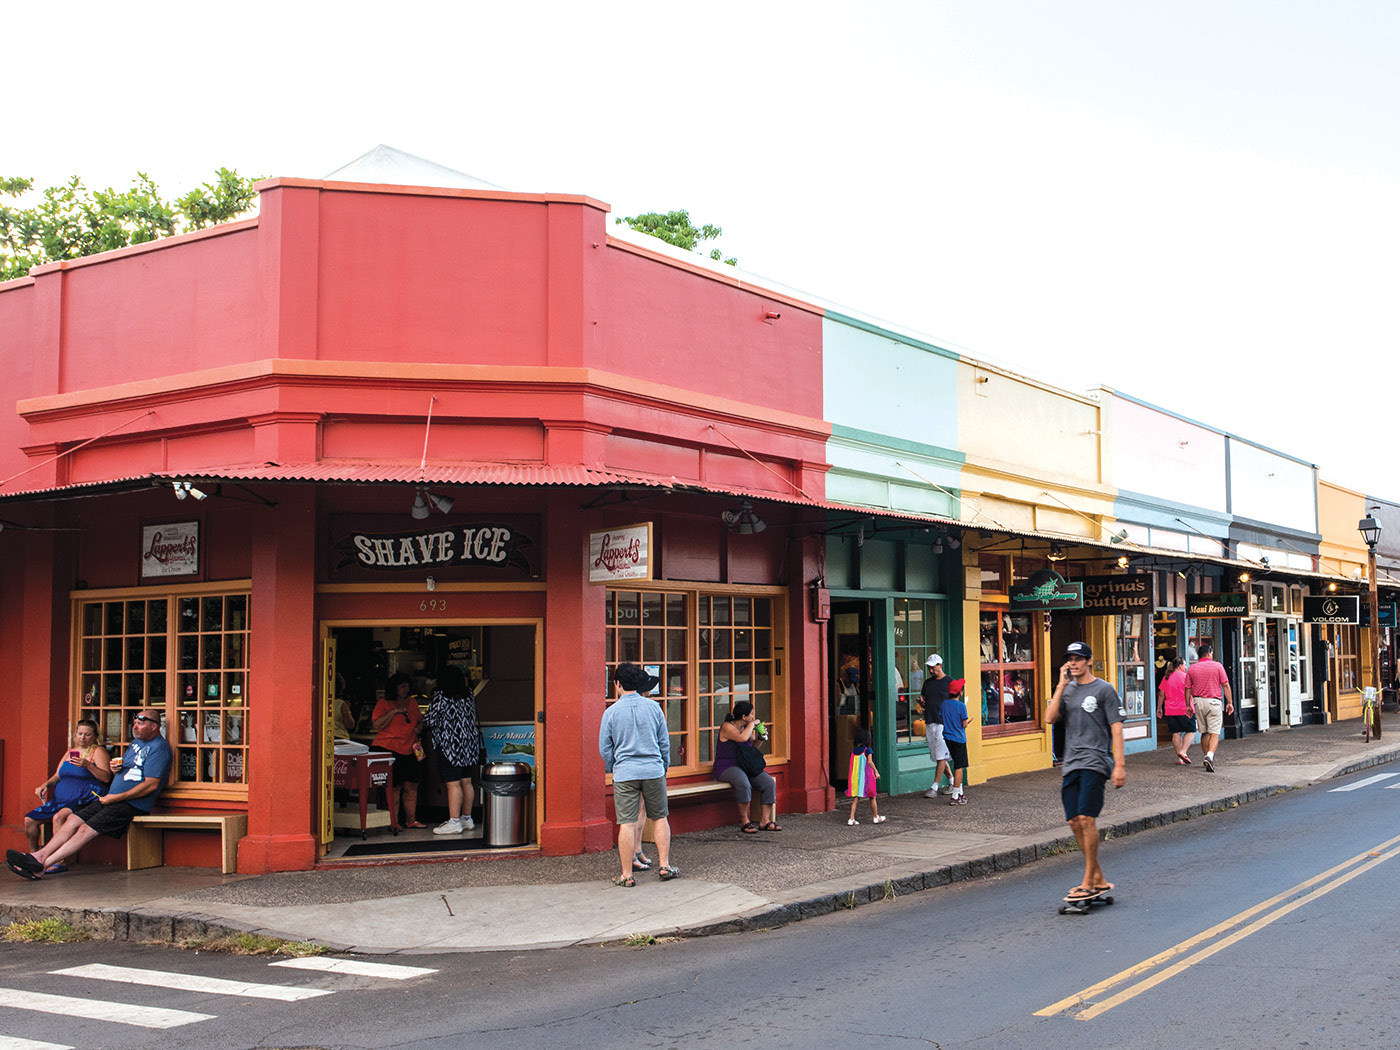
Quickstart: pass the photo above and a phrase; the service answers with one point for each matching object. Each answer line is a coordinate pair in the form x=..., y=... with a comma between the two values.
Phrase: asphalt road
x=1274, y=925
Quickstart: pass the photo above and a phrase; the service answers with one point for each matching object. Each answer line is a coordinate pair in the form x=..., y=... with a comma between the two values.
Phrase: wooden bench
x=689, y=793
x=145, y=838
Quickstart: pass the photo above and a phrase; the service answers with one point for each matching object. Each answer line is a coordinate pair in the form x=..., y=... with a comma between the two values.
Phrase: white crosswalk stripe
x=356, y=967
x=1368, y=782
x=97, y=1010
x=10, y=1042
x=187, y=982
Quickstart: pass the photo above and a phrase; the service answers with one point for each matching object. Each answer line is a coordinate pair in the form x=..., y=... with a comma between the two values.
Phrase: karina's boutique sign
x=620, y=554
x=485, y=544
x=1108, y=595
x=1046, y=590
x=170, y=550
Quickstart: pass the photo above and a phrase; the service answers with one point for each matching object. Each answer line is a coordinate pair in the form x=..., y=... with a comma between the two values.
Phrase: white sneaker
x=852, y=823
x=452, y=826
x=931, y=793
x=945, y=790
x=467, y=824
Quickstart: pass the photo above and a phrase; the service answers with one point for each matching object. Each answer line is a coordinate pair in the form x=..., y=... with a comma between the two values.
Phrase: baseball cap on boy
x=1080, y=650
x=955, y=687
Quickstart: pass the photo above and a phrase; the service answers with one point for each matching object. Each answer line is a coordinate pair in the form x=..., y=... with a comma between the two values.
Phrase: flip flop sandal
x=23, y=873
x=414, y=824
x=666, y=874
x=55, y=869
x=625, y=881
x=1080, y=895
x=640, y=863
x=750, y=828
x=24, y=860
x=772, y=825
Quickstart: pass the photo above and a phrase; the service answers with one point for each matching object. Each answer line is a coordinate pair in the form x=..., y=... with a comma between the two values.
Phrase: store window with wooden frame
x=1345, y=652
x=183, y=653
x=710, y=649
x=1008, y=649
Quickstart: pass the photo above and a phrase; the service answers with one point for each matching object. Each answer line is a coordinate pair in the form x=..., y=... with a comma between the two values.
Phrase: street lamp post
x=1370, y=530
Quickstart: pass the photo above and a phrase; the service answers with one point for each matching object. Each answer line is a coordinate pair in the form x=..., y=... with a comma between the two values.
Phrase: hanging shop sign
x=1387, y=614
x=170, y=550
x=1112, y=595
x=483, y=545
x=620, y=554
x=1046, y=590
x=1217, y=606
x=1332, y=608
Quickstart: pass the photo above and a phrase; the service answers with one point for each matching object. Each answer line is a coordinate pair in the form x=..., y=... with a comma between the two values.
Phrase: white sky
x=1194, y=201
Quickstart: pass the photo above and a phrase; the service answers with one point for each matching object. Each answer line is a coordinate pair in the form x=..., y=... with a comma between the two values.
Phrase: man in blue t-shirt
x=955, y=719
x=144, y=767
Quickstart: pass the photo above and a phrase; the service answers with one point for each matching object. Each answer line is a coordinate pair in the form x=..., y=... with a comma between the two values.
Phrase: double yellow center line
x=1146, y=975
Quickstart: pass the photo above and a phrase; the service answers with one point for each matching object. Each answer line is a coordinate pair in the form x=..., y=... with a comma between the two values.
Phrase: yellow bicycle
x=1370, y=706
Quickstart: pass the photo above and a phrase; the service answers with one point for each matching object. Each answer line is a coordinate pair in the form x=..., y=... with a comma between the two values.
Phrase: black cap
x=634, y=678
x=1080, y=650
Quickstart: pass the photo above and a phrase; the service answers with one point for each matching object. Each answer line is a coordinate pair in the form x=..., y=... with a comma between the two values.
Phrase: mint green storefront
x=895, y=599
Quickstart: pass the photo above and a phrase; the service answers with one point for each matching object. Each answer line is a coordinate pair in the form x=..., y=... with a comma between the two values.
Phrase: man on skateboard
x=1093, y=715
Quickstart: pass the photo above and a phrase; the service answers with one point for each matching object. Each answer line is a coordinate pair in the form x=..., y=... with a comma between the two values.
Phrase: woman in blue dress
x=84, y=773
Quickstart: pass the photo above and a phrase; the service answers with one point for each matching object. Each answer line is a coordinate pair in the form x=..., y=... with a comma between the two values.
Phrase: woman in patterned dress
x=456, y=739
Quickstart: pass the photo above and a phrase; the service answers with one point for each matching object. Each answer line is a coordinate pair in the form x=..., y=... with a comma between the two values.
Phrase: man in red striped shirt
x=1208, y=685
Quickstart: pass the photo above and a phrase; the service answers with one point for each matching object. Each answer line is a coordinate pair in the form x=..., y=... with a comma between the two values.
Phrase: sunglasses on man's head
x=143, y=718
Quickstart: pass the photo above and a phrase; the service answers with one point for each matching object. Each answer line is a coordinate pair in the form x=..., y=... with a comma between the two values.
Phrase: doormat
x=443, y=844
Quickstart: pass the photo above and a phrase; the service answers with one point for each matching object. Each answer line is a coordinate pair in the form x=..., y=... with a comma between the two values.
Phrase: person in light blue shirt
x=636, y=749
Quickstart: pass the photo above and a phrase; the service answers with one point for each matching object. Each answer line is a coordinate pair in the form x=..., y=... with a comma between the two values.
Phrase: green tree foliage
x=674, y=227
x=71, y=221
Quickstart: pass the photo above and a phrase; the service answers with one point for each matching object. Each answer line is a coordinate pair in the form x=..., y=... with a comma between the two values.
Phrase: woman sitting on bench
x=738, y=731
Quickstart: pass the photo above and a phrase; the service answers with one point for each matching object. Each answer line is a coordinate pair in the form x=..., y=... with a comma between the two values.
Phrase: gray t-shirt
x=1088, y=711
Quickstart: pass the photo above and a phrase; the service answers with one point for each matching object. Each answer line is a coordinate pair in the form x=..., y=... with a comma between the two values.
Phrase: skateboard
x=1084, y=905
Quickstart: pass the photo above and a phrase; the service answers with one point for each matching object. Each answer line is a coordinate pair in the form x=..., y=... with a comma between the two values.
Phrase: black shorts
x=407, y=768
x=958, y=749
x=1181, y=723
x=1082, y=793
x=108, y=818
x=449, y=772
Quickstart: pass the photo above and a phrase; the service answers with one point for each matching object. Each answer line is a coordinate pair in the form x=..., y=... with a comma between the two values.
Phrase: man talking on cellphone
x=1093, y=715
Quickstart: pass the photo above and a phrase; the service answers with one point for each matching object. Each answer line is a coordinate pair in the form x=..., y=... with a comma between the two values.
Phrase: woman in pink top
x=1176, y=707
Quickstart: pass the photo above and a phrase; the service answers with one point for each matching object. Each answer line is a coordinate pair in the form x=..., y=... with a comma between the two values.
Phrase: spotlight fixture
x=1332, y=587
x=184, y=488
x=1264, y=561
x=938, y=545
x=743, y=521
x=1118, y=537
x=423, y=499
x=1122, y=561
x=1244, y=577
x=1057, y=553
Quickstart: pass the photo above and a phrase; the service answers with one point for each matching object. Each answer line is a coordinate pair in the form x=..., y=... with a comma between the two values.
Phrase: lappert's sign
x=620, y=554
x=485, y=544
x=170, y=550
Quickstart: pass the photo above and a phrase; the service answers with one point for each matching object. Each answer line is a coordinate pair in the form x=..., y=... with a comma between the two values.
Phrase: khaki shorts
x=1208, y=718
x=627, y=792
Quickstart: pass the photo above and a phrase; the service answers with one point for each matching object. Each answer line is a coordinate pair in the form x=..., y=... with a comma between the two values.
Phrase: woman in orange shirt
x=398, y=724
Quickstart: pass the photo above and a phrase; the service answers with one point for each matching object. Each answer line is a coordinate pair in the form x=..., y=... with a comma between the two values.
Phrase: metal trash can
x=505, y=789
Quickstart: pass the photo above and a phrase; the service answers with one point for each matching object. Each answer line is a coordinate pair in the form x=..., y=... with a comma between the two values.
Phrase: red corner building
x=253, y=472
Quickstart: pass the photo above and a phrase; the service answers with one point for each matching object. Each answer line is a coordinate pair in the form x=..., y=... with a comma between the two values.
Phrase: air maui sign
x=487, y=545
x=620, y=554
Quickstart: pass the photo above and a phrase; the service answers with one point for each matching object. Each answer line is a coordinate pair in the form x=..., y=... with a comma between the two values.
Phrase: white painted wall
x=1158, y=454
x=1272, y=488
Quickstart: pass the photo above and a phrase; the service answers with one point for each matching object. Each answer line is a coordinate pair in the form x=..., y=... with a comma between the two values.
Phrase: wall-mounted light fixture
x=1244, y=577
x=1122, y=561
x=184, y=488
x=1057, y=553
x=743, y=521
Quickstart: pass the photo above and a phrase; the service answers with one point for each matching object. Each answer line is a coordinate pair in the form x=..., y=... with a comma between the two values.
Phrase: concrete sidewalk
x=729, y=882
